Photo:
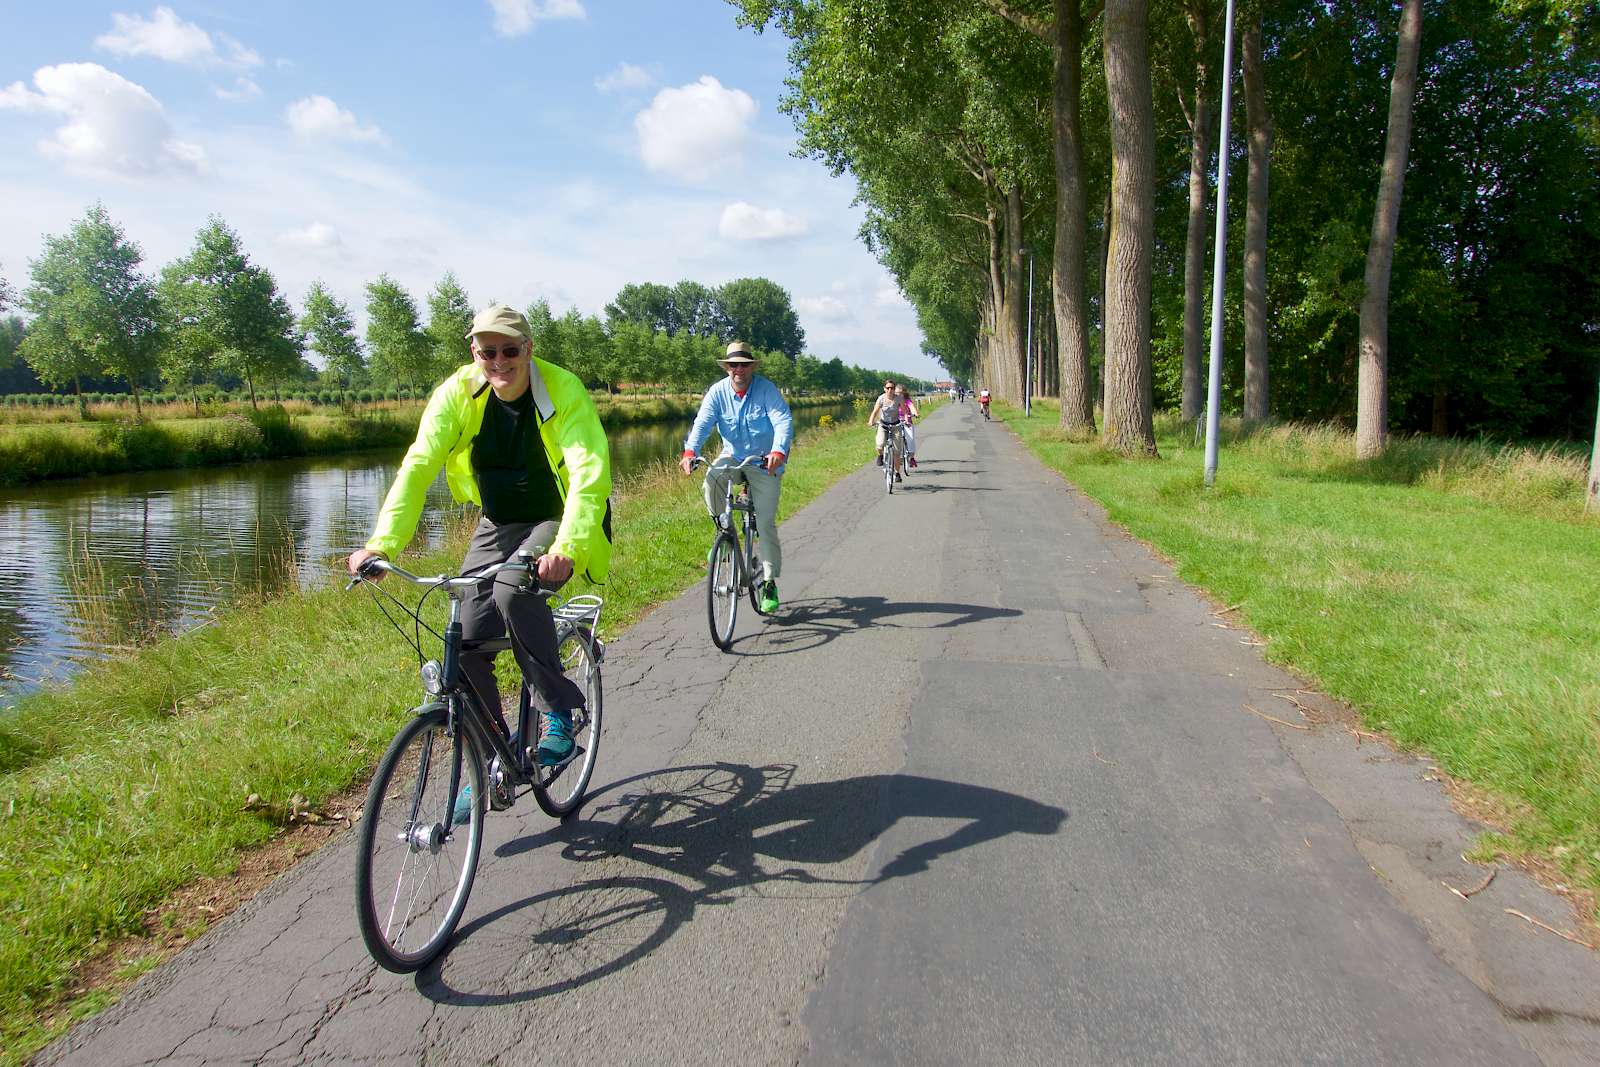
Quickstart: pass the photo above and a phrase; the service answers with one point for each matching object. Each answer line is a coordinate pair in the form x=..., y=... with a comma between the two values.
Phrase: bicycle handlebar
x=525, y=562
x=701, y=461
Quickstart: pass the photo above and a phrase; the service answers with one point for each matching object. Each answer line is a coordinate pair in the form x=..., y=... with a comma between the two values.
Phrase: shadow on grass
x=699, y=836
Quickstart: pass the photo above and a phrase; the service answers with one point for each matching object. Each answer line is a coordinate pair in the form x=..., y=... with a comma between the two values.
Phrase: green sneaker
x=555, y=747
x=769, y=596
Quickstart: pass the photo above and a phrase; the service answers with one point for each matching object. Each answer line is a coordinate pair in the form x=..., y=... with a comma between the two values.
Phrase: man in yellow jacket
x=521, y=438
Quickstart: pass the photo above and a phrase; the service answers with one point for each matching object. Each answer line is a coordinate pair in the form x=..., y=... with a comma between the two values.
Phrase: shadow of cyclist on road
x=707, y=834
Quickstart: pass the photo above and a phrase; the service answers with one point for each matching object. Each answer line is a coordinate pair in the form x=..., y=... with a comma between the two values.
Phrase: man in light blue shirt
x=753, y=420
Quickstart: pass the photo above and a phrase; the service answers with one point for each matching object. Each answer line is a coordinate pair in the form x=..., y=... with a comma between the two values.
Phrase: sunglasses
x=504, y=352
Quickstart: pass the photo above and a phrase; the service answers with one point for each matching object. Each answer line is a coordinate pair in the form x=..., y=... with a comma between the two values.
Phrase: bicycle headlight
x=433, y=677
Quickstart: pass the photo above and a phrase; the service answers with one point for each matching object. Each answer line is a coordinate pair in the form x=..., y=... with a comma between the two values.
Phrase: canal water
x=93, y=565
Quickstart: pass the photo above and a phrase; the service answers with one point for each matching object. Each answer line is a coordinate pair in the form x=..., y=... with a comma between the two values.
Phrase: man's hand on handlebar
x=359, y=559
x=687, y=464
x=554, y=570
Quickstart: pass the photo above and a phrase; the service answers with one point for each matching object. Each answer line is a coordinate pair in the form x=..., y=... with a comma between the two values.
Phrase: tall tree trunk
x=1016, y=297
x=1194, y=259
x=249, y=380
x=1128, y=424
x=1105, y=287
x=77, y=389
x=1259, y=124
x=1072, y=222
x=138, y=409
x=1372, y=390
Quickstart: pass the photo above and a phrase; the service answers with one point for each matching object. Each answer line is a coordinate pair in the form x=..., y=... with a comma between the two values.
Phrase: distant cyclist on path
x=751, y=416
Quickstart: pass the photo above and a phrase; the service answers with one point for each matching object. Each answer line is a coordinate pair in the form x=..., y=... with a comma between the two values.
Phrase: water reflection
x=94, y=565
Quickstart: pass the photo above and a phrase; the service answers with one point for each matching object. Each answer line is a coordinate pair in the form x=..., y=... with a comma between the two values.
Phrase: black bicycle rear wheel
x=416, y=855
x=722, y=589
x=560, y=790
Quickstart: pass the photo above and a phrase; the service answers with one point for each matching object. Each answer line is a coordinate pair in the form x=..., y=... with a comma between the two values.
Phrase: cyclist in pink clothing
x=908, y=415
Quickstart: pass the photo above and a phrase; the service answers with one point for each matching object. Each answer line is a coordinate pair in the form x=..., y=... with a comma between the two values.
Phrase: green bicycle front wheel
x=722, y=589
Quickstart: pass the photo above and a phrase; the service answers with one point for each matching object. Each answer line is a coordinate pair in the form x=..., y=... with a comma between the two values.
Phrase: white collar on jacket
x=541, y=392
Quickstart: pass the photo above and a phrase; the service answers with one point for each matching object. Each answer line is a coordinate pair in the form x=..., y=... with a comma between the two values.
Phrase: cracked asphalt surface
x=984, y=790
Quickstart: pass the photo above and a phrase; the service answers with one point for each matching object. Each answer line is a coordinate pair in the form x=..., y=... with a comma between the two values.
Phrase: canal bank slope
x=987, y=787
x=53, y=451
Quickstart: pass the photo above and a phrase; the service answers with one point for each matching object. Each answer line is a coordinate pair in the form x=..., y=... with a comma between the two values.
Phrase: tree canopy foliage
x=942, y=112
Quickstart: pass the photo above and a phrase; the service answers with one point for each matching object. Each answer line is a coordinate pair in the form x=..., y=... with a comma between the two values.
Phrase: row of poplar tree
x=1077, y=139
x=215, y=315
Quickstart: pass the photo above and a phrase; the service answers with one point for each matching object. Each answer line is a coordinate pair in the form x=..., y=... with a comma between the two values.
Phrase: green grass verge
x=121, y=788
x=1447, y=591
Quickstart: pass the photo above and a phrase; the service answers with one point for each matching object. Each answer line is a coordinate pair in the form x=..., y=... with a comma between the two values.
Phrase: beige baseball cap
x=501, y=319
x=739, y=352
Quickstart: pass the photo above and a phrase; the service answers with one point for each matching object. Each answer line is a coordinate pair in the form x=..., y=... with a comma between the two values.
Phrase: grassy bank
x=42, y=451
x=1447, y=591
x=138, y=778
x=39, y=453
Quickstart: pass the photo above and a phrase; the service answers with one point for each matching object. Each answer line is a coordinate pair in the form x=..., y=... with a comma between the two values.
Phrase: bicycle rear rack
x=583, y=610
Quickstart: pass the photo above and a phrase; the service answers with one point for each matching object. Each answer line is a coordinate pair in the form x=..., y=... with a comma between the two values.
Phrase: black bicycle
x=732, y=567
x=422, y=827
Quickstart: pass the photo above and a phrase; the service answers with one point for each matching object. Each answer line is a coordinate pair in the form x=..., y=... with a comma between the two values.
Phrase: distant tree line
x=214, y=319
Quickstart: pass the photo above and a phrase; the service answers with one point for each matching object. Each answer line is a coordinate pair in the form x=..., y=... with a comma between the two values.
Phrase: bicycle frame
x=488, y=729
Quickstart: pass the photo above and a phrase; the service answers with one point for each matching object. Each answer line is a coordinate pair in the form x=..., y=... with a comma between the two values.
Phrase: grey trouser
x=764, y=489
x=487, y=608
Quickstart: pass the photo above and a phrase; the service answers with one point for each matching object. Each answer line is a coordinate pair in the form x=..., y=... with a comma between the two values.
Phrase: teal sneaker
x=555, y=747
x=462, y=814
x=769, y=596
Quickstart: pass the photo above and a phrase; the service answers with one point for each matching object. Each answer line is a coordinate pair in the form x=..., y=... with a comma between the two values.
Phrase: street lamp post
x=1219, y=262
x=1027, y=386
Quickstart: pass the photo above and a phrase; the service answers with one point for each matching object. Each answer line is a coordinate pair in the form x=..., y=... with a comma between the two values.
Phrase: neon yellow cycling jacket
x=574, y=441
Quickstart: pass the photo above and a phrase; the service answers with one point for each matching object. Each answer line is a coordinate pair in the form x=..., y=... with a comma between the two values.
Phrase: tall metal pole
x=1027, y=389
x=1219, y=260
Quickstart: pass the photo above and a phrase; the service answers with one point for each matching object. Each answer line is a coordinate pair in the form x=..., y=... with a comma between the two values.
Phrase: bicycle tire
x=560, y=792
x=722, y=589
x=891, y=456
x=752, y=568
x=408, y=828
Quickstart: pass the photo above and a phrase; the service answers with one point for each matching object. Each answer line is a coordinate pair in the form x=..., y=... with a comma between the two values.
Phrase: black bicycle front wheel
x=419, y=840
x=560, y=790
x=722, y=589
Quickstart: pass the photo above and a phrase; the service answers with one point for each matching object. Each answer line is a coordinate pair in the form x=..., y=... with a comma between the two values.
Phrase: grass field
x=1448, y=591
x=133, y=782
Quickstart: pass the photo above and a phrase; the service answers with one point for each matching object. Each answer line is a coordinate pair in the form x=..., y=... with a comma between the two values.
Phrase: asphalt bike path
x=985, y=789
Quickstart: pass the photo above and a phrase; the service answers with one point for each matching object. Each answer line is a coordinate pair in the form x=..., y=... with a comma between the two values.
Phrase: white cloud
x=695, y=130
x=826, y=308
x=316, y=236
x=513, y=18
x=890, y=297
x=165, y=36
x=626, y=78
x=319, y=117
x=243, y=89
x=746, y=222
x=111, y=123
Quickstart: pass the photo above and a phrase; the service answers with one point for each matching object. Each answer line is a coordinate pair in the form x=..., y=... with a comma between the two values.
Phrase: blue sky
x=538, y=148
